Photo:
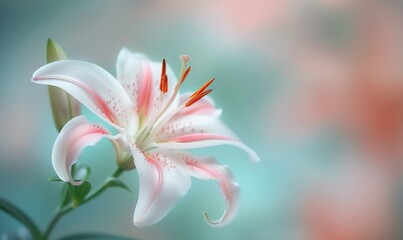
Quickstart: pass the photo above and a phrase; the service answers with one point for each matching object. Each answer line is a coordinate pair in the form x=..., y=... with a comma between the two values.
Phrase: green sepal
x=81, y=173
x=71, y=193
x=78, y=193
x=54, y=179
x=65, y=196
x=115, y=182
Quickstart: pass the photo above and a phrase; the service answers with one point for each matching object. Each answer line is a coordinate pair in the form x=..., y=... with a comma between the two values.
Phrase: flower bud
x=64, y=106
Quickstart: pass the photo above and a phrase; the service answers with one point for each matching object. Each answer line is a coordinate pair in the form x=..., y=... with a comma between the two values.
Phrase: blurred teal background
x=95, y=31
x=257, y=51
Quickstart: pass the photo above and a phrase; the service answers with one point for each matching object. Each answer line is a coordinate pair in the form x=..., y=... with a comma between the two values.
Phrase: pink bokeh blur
x=354, y=86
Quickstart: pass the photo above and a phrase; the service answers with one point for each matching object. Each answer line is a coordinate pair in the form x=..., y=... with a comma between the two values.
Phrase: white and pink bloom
x=155, y=124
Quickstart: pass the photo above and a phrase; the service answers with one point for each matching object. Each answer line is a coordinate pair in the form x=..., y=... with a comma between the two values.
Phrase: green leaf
x=94, y=236
x=114, y=182
x=18, y=214
x=80, y=173
x=54, y=179
x=70, y=193
x=78, y=193
x=65, y=195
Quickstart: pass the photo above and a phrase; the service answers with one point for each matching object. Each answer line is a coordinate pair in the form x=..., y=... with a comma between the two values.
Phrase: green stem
x=20, y=216
x=52, y=223
x=117, y=173
x=61, y=212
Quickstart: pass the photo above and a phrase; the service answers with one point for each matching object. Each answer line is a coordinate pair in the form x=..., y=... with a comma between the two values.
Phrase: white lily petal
x=197, y=131
x=163, y=181
x=140, y=78
x=94, y=87
x=194, y=124
x=77, y=134
x=197, y=141
x=208, y=168
x=201, y=107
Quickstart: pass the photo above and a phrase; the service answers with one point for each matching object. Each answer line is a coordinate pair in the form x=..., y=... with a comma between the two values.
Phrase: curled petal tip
x=140, y=224
x=253, y=157
x=76, y=183
x=213, y=223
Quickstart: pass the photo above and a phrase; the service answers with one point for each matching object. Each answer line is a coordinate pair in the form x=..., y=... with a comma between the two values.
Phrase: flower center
x=146, y=134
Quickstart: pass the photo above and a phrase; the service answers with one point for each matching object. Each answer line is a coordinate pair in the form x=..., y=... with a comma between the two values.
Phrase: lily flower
x=155, y=124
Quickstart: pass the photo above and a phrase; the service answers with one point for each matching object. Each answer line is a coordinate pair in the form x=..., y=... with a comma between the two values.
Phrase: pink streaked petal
x=94, y=87
x=146, y=86
x=198, y=131
x=208, y=143
x=195, y=137
x=193, y=124
x=163, y=181
x=140, y=78
x=208, y=168
x=77, y=134
x=203, y=106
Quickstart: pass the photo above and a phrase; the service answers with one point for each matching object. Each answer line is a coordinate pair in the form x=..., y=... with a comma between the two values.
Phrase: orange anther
x=164, y=84
x=164, y=78
x=203, y=87
x=164, y=68
x=194, y=98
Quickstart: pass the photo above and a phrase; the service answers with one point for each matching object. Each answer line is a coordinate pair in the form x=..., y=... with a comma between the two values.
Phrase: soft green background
x=244, y=44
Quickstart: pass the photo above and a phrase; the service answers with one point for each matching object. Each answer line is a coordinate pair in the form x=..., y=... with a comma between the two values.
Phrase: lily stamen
x=185, y=75
x=164, y=78
x=182, y=77
x=195, y=98
x=203, y=87
x=164, y=84
x=145, y=132
x=164, y=68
